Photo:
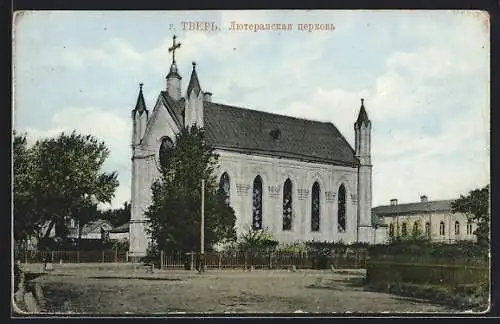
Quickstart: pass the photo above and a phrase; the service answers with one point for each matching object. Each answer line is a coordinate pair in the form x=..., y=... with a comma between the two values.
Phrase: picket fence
x=263, y=260
x=213, y=260
x=97, y=256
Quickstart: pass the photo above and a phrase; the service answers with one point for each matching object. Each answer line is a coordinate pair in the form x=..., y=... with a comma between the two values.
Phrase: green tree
x=67, y=179
x=476, y=206
x=25, y=223
x=117, y=216
x=174, y=214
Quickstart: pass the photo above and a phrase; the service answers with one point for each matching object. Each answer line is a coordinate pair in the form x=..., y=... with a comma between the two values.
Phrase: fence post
x=192, y=260
x=51, y=256
x=220, y=259
x=102, y=253
x=161, y=260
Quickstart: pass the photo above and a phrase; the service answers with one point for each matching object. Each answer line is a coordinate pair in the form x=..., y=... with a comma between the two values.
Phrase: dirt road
x=95, y=291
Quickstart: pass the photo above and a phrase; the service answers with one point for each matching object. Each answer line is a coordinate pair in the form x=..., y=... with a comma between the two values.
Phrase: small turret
x=194, y=83
x=140, y=116
x=194, y=101
x=362, y=129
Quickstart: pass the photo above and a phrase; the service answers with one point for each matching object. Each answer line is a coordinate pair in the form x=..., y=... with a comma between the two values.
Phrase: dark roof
x=258, y=132
x=173, y=73
x=194, y=83
x=124, y=228
x=90, y=227
x=140, y=106
x=362, y=117
x=411, y=208
x=175, y=108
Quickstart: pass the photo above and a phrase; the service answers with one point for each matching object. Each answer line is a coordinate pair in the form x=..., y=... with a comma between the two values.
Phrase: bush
x=293, y=247
x=463, y=250
x=18, y=276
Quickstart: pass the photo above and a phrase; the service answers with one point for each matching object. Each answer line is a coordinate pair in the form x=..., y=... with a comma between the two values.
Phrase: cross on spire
x=173, y=48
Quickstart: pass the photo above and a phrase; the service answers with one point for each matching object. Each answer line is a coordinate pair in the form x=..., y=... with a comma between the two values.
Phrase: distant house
x=120, y=232
x=95, y=230
x=433, y=219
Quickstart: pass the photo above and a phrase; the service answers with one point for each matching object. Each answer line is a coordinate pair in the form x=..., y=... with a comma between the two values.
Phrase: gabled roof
x=124, y=228
x=258, y=132
x=413, y=208
x=95, y=225
x=175, y=108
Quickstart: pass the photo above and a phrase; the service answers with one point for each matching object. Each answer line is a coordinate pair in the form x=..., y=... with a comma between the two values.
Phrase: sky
x=424, y=76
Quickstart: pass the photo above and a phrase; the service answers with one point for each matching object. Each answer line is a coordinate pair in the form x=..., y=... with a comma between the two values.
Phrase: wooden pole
x=202, y=234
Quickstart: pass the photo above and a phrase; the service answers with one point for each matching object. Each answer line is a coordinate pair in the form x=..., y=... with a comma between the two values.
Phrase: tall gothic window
x=415, y=229
x=315, y=207
x=457, y=228
x=404, y=231
x=257, y=203
x=391, y=230
x=341, y=209
x=287, y=205
x=469, y=228
x=224, y=188
x=165, y=151
x=427, y=229
x=441, y=228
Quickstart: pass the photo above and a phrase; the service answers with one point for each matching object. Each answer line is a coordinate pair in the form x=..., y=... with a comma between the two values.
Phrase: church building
x=300, y=179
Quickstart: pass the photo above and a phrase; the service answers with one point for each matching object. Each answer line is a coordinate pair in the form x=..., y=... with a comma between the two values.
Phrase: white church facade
x=300, y=179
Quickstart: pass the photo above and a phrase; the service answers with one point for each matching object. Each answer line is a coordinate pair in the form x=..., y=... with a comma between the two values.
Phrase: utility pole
x=202, y=233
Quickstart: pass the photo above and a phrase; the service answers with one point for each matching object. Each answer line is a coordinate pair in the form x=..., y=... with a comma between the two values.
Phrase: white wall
x=242, y=170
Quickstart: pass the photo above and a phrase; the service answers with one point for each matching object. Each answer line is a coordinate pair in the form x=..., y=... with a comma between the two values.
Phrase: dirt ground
x=125, y=290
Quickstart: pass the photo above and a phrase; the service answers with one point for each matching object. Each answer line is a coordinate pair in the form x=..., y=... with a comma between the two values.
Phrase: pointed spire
x=363, y=116
x=194, y=84
x=140, y=106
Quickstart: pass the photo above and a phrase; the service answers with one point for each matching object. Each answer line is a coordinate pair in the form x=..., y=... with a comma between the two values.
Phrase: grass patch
x=463, y=297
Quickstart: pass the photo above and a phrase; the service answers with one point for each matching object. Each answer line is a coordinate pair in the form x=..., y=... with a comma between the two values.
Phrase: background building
x=434, y=218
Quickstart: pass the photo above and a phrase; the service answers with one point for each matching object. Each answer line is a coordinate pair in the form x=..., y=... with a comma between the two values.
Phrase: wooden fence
x=427, y=270
x=101, y=256
x=213, y=260
x=263, y=260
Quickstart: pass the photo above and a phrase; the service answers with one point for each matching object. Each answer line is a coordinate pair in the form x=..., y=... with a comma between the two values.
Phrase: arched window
x=341, y=209
x=457, y=228
x=427, y=229
x=287, y=205
x=404, y=231
x=165, y=151
x=415, y=229
x=315, y=207
x=224, y=187
x=391, y=230
x=441, y=228
x=257, y=203
x=469, y=228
